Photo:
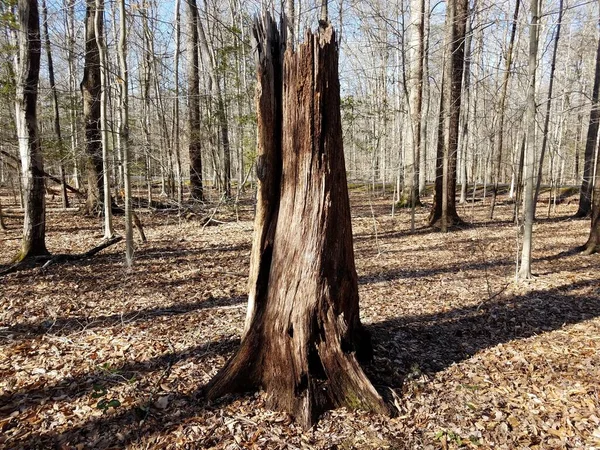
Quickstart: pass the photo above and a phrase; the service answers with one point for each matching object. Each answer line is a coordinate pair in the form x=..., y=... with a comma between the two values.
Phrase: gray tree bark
x=529, y=162
x=194, y=122
x=27, y=70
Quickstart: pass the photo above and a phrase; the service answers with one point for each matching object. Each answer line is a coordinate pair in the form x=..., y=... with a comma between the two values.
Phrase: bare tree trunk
x=578, y=139
x=27, y=69
x=499, y=141
x=324, y=16
x=221, y=113
x=466, y=91
x=416, y=45
x=444, y=210
x=73, y=110
x=59, y=140
x=194, y=122
x=176, y=132
x=303, y=333
x=548, y=106
x=124, y=132
x=90, y=89
x=426, y=99
x=585, y=194
x=290, y=18
x=593, y=243
x=145, y=84
x=528, y=194
x=519, y=163
x=107, y=203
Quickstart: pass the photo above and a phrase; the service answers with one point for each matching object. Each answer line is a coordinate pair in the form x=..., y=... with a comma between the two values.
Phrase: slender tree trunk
x=499, y=141
x=528, y=194
x=324, y=16
x=146, y=74
x=194, y=122
x=548, y=106
x=221, y=113
x=107, y=203
x=426, y=101
x=90, y=89
x=456, y=18
x=290, y=18
x=585, y=194
x=466, y=90
x=416, y=45
x=57, y=131
x=176, y=132
x=578, y=139
x=124, y=132
x=519, y=163
x=436, y=210
x=303, y=334
x=27, y=69
x=73, y=110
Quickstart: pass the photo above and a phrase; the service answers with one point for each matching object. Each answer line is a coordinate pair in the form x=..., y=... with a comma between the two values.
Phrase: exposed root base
x=333, y=379
x=590, y=249
x=454, y=222
x=406, y=203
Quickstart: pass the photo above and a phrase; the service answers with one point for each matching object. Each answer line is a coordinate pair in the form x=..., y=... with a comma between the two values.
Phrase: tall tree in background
x=416, y=45
x=211, y=61
x=176, y=122
x=548, y=106
x=194, y=123
x=444, y=202
x=303, y=333
x=290, y=20
x=107, y=202
x=90, y=89
x=585, y=193
x=27, y=70
x=528, y=174
x=501, y=111
x=57, y=131
x=124, y=131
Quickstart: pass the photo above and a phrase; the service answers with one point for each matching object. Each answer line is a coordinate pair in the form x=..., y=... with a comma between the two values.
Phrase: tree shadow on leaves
x=63, y=326
x=435, y=341
x=120, y=426
x=430, y=342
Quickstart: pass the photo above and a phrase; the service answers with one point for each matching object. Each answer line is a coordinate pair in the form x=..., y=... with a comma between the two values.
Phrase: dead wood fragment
x=48, y=260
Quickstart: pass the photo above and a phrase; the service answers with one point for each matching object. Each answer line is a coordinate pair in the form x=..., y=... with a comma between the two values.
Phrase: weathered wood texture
x=303, y=337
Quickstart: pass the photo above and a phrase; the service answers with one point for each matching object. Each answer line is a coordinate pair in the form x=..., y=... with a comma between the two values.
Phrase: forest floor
x=95, y=356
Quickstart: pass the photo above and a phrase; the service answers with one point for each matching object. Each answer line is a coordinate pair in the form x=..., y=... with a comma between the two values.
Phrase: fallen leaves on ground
x=96, y=356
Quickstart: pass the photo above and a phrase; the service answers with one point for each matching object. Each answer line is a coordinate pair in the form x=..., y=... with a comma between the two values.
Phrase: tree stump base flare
x=303, y=337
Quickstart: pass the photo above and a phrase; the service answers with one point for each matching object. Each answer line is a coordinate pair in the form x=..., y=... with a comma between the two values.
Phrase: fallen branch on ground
x=61, y=257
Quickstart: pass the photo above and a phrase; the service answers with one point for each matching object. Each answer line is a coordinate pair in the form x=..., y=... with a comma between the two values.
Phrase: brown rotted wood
x=303, y=333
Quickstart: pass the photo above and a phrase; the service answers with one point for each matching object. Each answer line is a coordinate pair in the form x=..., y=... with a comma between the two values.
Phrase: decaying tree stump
x=303, y=338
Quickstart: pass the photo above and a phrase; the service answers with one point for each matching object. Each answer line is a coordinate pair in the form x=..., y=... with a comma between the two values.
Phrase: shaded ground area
x=94, y=356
